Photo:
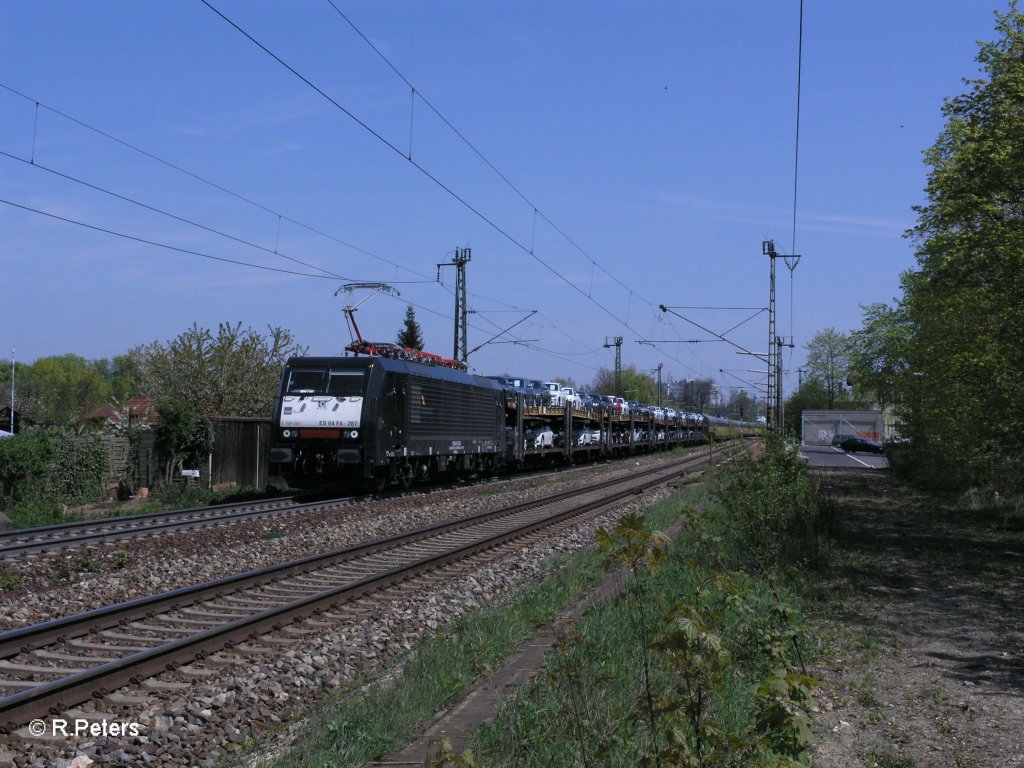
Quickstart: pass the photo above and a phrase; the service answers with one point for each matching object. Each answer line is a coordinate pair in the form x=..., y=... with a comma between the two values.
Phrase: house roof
x=140, y=410
x=106, y=412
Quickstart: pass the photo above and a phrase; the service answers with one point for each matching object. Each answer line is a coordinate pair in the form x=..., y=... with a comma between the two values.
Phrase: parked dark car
x=537, y=393
x=513, y=386
x=852, y=443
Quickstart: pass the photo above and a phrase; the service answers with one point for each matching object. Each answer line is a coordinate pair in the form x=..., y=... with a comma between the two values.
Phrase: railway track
x=55, y=538
x=30, y=541
x=49, y=667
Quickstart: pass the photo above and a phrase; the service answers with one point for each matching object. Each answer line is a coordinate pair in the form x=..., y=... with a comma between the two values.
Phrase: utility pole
x=779, y=344
x=658, y=370
x=775, y=342
x=12, y=389
x=617, y=343
x=462, y=257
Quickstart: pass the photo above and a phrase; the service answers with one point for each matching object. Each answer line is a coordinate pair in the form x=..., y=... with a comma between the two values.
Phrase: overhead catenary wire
x=440, y=184
x=279, y=216
x=206, y=181
x=796, y=161
x=168, y=214
x=415, y=95
x=536, y=211
x=33, y=161
x=158, y=244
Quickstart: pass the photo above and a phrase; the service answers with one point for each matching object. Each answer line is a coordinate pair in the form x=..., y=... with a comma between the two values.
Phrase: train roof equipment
x=360, y=346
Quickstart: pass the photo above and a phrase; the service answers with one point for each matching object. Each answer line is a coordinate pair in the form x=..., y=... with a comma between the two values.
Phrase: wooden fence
x=241, y=452
x=241, y=455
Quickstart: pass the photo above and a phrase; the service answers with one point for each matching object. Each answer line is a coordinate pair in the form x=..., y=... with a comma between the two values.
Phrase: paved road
x=827, y=456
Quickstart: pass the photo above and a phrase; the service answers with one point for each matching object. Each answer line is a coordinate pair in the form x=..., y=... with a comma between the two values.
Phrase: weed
x=122, y=558
x=864, y=691
x=10, y=578
x=890, y=760
x=688, y=668
x=493, y=491
x=866, y=640
x=964, y=759
x=62, y=570
x=89, y=561
x=631, y=545
x=32, y=514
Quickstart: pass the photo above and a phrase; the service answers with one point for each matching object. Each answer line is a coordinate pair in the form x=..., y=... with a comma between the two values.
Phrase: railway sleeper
x=36, y=669
x=17, y=684
x=78, y=643
x=43, y=654
x=150, y=641
x=195, y=622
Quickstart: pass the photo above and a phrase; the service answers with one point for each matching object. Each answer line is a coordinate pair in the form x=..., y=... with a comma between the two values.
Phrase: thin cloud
x=777, y=218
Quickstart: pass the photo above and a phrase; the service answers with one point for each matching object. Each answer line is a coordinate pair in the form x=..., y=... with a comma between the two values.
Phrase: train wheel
x=378, y=482
x=406, y=474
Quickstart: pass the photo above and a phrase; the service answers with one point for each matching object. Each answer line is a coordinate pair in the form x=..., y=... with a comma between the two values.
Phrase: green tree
x=740, y=405
x=965, y=385
x=828, y=362
x=184, y=435
x=878, y=353
x=61, y=389
x=411, y=335
x=234, y=373
x=635, y=386
x=811, y=396
x=694, y=394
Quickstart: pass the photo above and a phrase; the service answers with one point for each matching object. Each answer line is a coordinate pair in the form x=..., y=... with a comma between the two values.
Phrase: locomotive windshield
x=345, y=382
x=305, y=381
x=339, y=382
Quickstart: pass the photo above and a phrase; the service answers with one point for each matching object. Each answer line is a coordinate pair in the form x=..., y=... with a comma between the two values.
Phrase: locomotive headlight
x=354, y=434
x=287, y=433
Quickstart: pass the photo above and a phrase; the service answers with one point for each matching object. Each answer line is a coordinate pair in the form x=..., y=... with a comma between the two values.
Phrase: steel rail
x=63, y=535
x=51, y=538
x=56, y=695
x=34, y=636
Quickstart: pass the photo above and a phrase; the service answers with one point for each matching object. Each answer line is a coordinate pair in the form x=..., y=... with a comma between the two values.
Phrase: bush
x=691, y=666
x=24, y=461
x=768, y=515
x=78, y=472
x=41, y=472
x=28, y=514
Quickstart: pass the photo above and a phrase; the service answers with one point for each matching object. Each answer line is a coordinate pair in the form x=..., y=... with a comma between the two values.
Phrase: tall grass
x=709, y=682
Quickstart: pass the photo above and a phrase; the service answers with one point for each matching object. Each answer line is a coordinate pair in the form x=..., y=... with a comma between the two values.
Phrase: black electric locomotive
x=378, y=420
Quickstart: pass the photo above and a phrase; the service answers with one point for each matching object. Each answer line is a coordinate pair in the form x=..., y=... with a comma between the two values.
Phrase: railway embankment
x=774, y=614
x=198, y=713
x=898, y=644
x=693, y=645
x=919, y=629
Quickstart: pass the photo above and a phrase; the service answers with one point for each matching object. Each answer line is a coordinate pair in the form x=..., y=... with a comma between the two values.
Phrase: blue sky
x=645, y=151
